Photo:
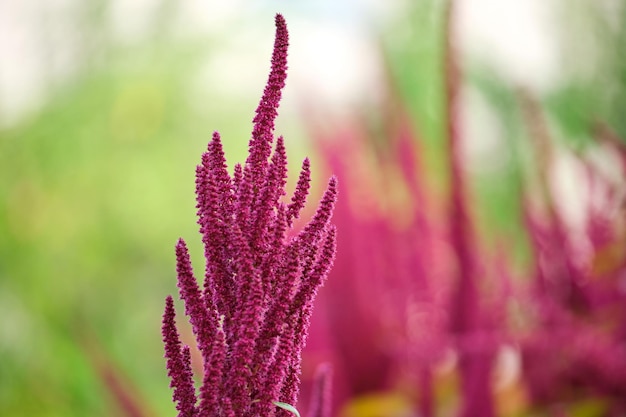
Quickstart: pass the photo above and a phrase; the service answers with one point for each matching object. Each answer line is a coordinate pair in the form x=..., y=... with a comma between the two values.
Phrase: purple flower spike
x=320, y=405
x=178, y=364
x=203, y=326
x=299, y=196
x=262, y=134
x=250, y=319
x=267, y=110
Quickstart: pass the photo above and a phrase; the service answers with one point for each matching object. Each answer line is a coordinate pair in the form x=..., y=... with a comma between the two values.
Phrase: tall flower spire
x=251, y=316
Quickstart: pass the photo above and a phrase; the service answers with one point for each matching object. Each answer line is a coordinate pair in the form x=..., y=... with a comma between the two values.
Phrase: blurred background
x=478, y=145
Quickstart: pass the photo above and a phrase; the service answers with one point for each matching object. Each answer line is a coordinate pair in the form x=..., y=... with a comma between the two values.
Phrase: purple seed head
x=251, y=316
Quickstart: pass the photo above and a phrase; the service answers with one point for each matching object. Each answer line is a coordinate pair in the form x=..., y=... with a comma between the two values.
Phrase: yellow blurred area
x=378, y=405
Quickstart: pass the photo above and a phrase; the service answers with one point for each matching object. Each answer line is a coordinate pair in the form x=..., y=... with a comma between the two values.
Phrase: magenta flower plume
x=178, y=364
x=250, y=317
x=320, y=404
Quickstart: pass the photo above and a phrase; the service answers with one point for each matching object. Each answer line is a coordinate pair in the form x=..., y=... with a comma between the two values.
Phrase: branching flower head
x=251, y=316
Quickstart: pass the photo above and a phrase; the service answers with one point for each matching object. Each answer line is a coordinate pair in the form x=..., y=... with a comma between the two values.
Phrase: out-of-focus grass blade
x=287, y=407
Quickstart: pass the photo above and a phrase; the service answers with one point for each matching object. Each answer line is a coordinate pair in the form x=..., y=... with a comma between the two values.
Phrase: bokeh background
x=106, y=106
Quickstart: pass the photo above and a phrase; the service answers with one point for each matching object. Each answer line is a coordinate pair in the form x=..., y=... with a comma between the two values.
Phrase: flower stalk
x=251, y=316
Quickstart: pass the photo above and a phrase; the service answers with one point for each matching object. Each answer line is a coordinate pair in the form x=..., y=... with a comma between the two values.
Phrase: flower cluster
x=574, y=348
x=250, y=319
x=413, y=268
x=427, y=299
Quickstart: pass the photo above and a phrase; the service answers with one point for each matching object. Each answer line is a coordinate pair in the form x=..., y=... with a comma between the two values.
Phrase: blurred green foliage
x=414, y=54
x=414, y=48
x=593, y=86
